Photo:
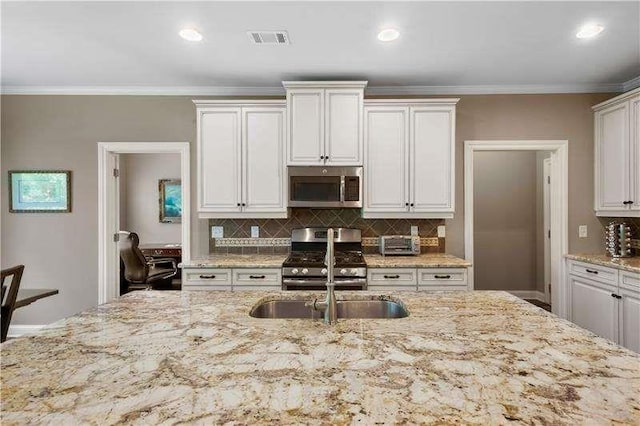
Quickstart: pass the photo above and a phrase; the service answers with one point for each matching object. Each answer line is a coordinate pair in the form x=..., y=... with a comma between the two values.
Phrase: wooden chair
x=10, y=284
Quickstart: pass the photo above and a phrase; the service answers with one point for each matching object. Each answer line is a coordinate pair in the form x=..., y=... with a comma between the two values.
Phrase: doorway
x=109, y=206
x=557, y=203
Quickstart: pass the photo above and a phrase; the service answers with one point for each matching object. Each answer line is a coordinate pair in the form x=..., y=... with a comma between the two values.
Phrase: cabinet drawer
x=207, y=277
x=442, y=278
x=398, y=277
x=257, y=278
x=630, y=280
x=594, y=272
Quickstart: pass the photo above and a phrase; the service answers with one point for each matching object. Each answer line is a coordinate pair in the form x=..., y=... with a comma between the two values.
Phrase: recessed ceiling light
x=190, y=34
x=589, y=30
x=388, y=34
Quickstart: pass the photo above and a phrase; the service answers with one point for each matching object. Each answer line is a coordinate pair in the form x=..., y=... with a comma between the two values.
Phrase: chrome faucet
x=329, y=306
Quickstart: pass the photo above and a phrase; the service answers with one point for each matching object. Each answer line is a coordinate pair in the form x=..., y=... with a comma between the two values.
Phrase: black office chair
x=10, y=284
x=144, y=273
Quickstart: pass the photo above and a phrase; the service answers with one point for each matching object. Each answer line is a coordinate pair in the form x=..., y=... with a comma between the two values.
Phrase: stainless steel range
x=306, y=267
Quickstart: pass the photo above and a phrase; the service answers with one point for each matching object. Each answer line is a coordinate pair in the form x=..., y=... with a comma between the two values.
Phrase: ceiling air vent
x=268, y=37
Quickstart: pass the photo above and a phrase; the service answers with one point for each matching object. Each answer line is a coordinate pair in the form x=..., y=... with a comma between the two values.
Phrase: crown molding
x=279, y=90
x=631, y=84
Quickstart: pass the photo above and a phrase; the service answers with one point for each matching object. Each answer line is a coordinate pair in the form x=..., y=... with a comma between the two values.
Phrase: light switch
x=255, y=232
x=414, y=230
x=217, y=232
x=441, y=231
x=582, y=231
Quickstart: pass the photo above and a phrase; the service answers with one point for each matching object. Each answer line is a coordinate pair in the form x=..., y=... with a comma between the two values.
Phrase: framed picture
x=40, y=191
x=170, y=200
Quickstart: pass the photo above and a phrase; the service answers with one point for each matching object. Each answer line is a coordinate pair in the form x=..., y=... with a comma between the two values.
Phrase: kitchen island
x=168, y=357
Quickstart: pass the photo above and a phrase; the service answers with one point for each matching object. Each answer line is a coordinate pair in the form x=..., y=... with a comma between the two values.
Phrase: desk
x=27, y=296
x=161, y=250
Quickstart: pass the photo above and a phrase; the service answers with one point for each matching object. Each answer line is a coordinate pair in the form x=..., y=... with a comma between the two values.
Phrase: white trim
x=411, y=102
x=107, y=281
x=18, y=330
x=240, y=103
x=615, y=100
x=559, y=207
x=528, y=294
x=631, y=84
x=546, y=225
x=280, y=91
x=360, y=84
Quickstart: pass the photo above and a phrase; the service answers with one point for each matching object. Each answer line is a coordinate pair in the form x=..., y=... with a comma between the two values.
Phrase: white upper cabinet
x=617, y=156
x=324, y=121
x=409, y=162
x=240, y=156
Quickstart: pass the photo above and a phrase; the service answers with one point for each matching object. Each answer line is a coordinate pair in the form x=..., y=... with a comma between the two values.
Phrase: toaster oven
x=400, y=245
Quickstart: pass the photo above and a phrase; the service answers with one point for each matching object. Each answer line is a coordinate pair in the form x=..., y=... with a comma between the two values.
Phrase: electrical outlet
x=255, y=232
x=441, y=231
x=217, y=232
x=582, y=231
x=414, y=230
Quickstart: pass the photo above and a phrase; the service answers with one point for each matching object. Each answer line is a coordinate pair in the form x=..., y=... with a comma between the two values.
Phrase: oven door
x=325, y=187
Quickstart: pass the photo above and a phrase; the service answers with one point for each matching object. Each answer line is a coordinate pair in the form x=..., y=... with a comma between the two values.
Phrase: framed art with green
x=40, y=191
x=170, y=200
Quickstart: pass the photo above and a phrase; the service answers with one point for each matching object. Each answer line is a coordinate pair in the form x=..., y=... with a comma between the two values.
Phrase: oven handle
x=342, y=190
x=353, y=281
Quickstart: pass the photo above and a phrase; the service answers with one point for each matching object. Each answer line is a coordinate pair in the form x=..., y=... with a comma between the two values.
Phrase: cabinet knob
x=238, y=204
x=406, y=204
x=411, y=204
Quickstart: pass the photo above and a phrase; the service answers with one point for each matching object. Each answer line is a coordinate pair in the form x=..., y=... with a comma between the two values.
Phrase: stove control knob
x=294, y=271
x=343, y=272
x=324, y=271
x=305, y=271
x=354, y=271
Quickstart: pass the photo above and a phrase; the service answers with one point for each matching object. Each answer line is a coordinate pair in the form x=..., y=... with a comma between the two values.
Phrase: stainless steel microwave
x=325, y=187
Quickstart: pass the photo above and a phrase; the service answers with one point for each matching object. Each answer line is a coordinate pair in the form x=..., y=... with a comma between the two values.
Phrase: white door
x=263, y=160
x=432, y=158
x=612, y=138
x=343, y=127
x=386, y=186
x=593, y=307
x=546, y=218
x=305, y=109
x=219, y=160
x=634, y=157
x=630, y=319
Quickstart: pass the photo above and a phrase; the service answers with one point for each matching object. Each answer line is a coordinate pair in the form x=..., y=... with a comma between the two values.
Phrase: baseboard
x=19, y=329
x=528, y=294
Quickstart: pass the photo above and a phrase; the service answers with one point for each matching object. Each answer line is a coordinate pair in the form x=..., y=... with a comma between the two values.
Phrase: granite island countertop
x=155, y=357
x=630, y=264
x=424, y=260
x=237, y=261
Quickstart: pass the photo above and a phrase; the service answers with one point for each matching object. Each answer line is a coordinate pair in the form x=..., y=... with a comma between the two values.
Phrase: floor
x=545, y=306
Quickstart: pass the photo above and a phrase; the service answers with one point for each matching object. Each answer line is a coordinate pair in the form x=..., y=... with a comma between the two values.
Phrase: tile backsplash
x=273, y=232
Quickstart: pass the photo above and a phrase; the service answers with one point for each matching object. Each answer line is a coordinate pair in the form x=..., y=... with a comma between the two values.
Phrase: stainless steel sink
x=347, y=309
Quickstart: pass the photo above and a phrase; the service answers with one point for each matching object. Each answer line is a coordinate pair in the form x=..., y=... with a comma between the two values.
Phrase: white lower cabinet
x=442, y=279
x=236, y=279
x=417, y=279
x=605, y=301
x=392, y=279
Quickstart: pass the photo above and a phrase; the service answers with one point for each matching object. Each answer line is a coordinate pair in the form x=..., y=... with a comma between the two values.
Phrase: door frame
x=559, y=207
x=108, y=262
x=546, y=219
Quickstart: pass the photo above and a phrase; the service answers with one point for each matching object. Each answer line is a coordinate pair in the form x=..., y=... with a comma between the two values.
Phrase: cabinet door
x=343, y=127
x=612, y=157
x=629, y=318
x=263, y=160
x=305, y=111
x=386, y=159
x=593, y=307
x=219, y=160
x=634, y=157
x=432, y=149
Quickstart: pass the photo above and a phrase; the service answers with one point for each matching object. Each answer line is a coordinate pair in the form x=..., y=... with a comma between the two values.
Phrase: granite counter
x=425, y=260
x=168, y=357
x=630, y=264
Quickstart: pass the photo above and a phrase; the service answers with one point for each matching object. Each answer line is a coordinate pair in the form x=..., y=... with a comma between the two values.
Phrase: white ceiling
x=449, y=47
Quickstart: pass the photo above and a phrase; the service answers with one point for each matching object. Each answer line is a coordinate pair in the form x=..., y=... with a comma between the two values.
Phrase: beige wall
x=139, y=196
x=61, y=250
x=504, y=203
